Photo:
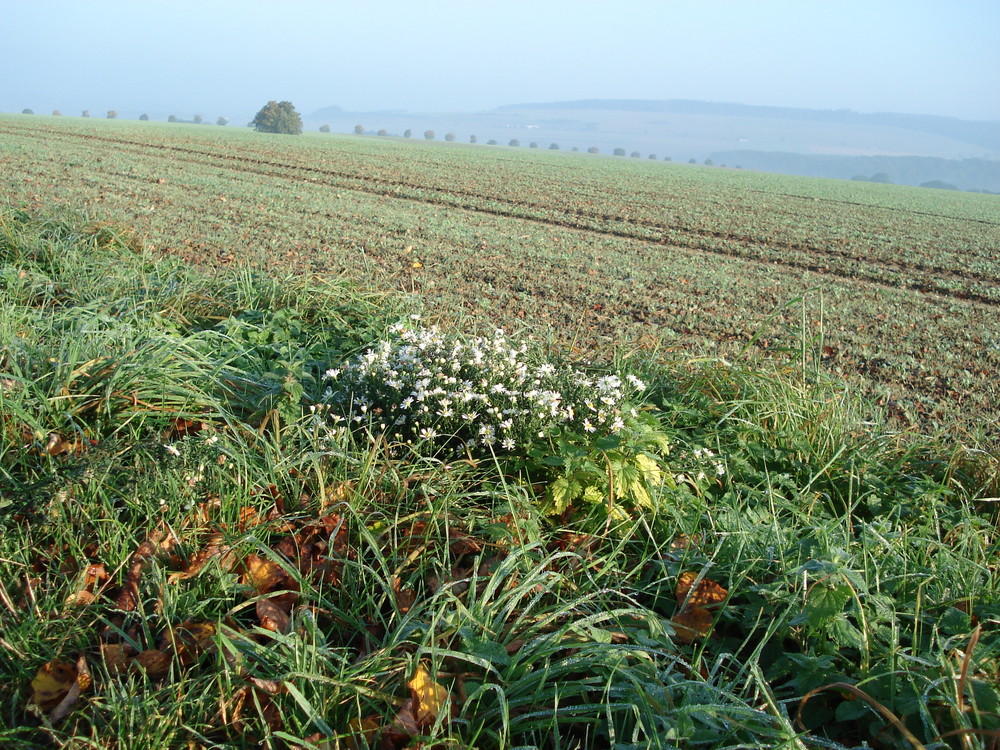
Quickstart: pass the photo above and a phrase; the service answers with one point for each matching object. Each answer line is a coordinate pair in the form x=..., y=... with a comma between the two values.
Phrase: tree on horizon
x=277, y=117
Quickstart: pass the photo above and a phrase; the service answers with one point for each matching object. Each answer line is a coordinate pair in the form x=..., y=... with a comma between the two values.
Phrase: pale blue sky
x=223, y=57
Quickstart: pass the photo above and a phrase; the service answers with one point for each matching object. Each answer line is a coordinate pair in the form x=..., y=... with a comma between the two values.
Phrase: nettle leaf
x=650, y=468
x=593, y=494
x=844, y=632
x=825, y=601
x=607, y=443
x=954, y=621
x=640, y=495
x=562, y=492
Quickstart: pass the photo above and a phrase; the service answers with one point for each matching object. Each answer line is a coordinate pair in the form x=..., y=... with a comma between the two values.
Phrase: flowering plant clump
x=481, y=396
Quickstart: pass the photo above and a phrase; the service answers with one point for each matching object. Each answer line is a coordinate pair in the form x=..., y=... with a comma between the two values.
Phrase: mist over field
x=684, y=81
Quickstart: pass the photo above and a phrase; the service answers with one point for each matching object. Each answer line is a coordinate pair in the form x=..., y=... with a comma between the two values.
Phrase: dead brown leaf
x=117, y=657
x=154, y=662
x=189, y=640
x=706, y=593
x=272, y=617
x=158, y=542
x=215, y=549
x=691, y=624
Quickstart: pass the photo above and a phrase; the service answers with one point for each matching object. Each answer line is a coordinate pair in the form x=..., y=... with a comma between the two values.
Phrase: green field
x=249, y=498
x=899, y=287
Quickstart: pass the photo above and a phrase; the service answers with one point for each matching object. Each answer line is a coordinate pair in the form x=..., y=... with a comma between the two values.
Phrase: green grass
x=167, y=490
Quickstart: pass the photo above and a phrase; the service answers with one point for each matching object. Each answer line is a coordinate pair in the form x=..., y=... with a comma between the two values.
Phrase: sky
x=228, y=57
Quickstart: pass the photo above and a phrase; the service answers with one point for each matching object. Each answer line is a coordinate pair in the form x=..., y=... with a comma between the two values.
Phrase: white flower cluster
x=477, y=395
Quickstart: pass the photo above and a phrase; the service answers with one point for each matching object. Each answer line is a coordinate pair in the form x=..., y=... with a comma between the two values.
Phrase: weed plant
x=194, y=555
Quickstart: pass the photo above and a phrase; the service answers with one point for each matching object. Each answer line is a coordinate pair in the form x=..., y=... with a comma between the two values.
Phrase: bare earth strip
x=902, y=284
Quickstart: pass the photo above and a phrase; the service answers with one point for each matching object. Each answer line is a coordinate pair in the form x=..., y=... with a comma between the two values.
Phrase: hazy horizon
x=228, y=58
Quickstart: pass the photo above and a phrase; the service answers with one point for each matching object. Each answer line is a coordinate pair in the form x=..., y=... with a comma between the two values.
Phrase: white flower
x=635, y=382
x=588, y=426
x=172, y=450
x=428, y=433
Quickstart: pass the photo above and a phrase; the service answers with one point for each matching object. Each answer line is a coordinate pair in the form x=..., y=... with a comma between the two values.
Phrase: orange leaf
x=706, y=594
x=266, y=575
x=153, y=662
x=117, y=658
x=690, y=624
x=272, y=617
x=189, y=640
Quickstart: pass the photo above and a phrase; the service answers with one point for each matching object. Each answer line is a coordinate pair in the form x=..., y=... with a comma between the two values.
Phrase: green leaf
x=825, y=602
x=562, y=492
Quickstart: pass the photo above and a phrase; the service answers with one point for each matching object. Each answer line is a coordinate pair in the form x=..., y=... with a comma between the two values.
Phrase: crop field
x=896, y=289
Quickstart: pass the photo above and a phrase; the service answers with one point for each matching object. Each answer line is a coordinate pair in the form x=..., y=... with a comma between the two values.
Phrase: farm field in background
x=900, y=287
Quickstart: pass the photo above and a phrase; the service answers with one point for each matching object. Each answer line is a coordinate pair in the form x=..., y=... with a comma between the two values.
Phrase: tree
x=635, y=154
x=197, y=120
x=383, y=131
x=938, y=184
x=359, y=130
x=144, y=117
x=112, y=114
x=493, y=142
x=533, y=144
x=324, y=128
x=27, y=111
x=709, y=163
x=472, y=139
x=619, y=151
x=85, y=113
x=56, y=113
x=553, y=147
x=223, y=121
x=514, y=142
x=407, y=133
x=652, y=156
x=277, y=117
x=429, y=135
x=593, y=150
x=450, y=137
x=172, y=118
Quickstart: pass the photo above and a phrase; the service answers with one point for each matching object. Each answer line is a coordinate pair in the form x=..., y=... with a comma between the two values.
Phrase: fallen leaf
x=272, y=617
x=429, y=697
x=154, y=662
x=158, y=541
x=52, y=683
x=405, y=596
x=706, y=593
x=691, y=624
x=365, y=732
x=189, y=640
x=117, y=657
x=461, y=543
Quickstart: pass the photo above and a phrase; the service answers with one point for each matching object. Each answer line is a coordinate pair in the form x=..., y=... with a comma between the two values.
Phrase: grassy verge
x=196, y=553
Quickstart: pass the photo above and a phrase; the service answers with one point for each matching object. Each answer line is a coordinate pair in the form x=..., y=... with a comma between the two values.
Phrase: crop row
x=599, y=253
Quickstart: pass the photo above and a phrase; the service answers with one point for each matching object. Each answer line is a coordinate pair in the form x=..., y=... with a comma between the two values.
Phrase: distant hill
x=910, y=149
x=978, y=175
x=985, y=134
